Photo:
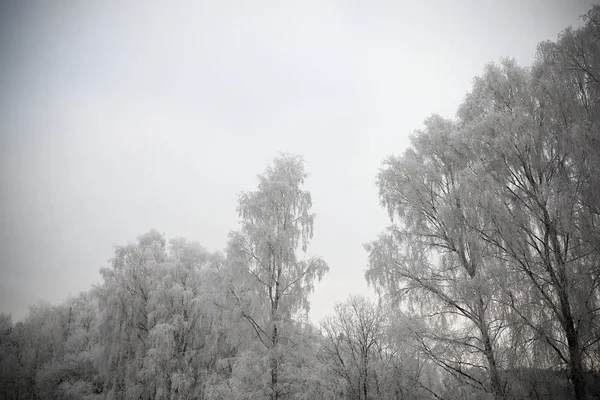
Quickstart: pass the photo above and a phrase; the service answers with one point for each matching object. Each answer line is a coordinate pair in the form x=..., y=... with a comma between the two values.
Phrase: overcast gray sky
x=117, y=117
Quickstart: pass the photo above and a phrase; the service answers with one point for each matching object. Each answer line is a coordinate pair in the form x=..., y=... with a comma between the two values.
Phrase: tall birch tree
x=276, y=223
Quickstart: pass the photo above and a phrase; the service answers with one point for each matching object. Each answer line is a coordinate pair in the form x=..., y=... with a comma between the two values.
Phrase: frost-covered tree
x=370, y=350
x=124, y=315
x=272, y=282
x=431, y=259
x=161, y=331
x=533, y=179
x=184, y=337
x=353, y=336
x=496, y=219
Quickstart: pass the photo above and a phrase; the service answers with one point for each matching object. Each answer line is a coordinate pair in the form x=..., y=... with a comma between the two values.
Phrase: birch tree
x=276, y=223
x=124, y=323
x=533, y=179
x=429, y=257
x=353, y=335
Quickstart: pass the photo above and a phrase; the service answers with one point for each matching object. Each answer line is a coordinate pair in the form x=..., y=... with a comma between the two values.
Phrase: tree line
x=488, y=273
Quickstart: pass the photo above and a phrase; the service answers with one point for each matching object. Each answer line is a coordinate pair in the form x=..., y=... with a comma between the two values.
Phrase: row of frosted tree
x=488, y=274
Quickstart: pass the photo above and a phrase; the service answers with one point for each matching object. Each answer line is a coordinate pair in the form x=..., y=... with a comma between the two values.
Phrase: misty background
x=116, y=118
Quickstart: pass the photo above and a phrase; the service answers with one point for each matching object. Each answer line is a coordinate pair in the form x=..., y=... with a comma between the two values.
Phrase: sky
x=121, y=116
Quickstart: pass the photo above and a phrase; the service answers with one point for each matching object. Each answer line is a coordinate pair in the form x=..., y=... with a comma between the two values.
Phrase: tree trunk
x=562, y=283
x=495, y=380
x=575, y=361
x=275, y=337
x=274, y=366
x=365, y=387
x=576, y=370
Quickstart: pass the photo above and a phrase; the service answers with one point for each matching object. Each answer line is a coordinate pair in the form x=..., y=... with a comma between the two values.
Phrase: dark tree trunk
x=495, y=381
